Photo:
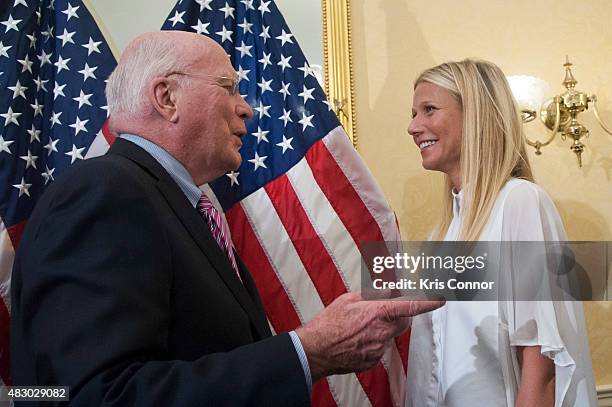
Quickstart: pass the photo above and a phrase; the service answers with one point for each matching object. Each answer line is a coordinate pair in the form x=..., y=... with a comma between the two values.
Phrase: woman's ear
x=163, y=98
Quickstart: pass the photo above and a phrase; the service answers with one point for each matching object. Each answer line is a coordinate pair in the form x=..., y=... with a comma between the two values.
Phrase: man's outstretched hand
x=352, y=334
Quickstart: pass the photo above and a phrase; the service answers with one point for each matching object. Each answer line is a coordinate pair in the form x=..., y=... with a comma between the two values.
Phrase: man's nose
x=244, y=110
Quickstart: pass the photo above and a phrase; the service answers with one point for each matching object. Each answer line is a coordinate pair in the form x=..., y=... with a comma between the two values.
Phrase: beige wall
x=124, y=20
x=393, y=40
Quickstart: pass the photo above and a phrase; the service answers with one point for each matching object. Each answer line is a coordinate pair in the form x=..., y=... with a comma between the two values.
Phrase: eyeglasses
x=232, y=89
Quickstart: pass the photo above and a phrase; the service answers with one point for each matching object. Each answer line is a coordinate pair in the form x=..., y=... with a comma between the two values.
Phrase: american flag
x=302, y=202
x=53, y=65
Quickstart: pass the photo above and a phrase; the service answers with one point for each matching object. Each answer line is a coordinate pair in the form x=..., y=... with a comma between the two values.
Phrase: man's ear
x=163, y=98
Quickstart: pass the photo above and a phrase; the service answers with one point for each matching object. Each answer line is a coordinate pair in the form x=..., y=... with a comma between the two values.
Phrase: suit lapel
x=198, y=229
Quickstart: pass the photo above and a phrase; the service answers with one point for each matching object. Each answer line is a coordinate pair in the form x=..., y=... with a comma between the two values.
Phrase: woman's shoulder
x=526, y=212
x=523, y=192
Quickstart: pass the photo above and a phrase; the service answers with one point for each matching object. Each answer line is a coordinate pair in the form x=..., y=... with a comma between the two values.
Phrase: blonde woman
x=466, y=124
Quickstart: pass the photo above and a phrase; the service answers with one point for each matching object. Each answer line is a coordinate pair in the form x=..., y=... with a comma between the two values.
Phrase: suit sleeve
x=92, y=292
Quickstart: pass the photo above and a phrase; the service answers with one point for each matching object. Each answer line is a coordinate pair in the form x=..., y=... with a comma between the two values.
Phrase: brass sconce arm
x=593, y=99
x=560, y=115
x=538, y=144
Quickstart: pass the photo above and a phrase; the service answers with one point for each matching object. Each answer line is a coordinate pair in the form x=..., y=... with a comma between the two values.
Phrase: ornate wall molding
x=338, y=62
x=604, y=395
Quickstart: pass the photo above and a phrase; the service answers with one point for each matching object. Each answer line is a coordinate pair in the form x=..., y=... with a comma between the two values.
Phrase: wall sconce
x=558, y=114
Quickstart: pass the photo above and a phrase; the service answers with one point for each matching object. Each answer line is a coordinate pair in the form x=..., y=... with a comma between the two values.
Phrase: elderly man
x=125, y=293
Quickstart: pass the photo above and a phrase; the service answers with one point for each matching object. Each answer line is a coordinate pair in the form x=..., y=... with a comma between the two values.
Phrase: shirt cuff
x=303, y=359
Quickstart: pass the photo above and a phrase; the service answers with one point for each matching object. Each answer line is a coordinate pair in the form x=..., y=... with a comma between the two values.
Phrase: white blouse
x=464, y=354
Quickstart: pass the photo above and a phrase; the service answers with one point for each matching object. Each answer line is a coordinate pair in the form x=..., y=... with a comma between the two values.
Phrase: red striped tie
x=218, y=228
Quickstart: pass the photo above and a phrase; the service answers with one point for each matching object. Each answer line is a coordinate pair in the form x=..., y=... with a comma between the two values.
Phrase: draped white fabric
x=465, y=353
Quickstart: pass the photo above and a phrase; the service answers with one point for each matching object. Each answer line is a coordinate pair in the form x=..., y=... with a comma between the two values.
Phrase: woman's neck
x=455, y=182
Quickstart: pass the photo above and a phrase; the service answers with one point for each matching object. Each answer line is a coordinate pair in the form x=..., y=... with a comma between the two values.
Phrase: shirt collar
x=175, y=169
x=457, y=197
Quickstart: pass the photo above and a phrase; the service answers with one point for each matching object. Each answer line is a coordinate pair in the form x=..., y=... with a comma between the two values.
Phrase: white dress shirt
x=464, y=354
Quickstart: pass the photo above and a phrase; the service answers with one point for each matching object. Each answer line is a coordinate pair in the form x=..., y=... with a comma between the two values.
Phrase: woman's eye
x=429, y=109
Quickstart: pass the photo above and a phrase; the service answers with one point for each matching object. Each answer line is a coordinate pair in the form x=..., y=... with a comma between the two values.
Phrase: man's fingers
x=404, y=308
x=350, y=297
x=378, y=295
x=401, y=324
x=427, y=306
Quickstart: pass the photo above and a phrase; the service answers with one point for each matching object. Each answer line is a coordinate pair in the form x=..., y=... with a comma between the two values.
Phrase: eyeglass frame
x=233, y=89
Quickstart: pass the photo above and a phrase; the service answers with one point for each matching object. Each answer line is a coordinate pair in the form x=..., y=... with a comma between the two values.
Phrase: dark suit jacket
x=120, y=292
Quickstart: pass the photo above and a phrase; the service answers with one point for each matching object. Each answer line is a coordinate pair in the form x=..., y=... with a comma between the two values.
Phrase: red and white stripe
x=300, y=235
x=101, y=143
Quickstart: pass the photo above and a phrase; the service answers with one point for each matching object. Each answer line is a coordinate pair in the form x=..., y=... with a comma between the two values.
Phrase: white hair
x=142, y=61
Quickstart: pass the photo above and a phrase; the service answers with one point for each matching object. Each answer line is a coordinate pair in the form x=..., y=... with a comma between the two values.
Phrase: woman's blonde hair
x=492, y=144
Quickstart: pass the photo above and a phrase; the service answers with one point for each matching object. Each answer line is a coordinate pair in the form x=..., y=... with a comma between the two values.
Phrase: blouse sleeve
x=558, y=327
